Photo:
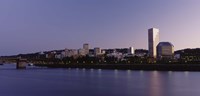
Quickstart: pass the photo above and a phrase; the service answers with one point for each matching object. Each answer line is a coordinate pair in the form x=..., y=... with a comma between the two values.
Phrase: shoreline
x=145, y=67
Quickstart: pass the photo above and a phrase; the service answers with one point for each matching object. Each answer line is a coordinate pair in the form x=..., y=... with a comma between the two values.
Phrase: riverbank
x=148, y=67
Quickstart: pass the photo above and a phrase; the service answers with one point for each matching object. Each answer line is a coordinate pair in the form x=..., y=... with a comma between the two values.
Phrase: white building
x=86, y=48
x=58, y=56
x=103, y=52
x=153, y=40
x=70, y=52
x=131, y=50
x=81, y=52
x=116, y=55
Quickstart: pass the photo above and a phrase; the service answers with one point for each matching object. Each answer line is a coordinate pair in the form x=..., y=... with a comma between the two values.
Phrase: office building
x=86, y=48
x=70, y=52
x=97, y=51
x=81, y=52
x=131, y=50
x=165, y=50
x=153, y=40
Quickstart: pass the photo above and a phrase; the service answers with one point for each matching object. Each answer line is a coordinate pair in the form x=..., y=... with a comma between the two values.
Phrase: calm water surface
x=96, y=82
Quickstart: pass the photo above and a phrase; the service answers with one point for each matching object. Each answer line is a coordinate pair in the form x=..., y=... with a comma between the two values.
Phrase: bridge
x=20, y=63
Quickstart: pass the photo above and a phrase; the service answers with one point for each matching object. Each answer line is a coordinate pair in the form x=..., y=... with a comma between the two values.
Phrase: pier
x=21, y=64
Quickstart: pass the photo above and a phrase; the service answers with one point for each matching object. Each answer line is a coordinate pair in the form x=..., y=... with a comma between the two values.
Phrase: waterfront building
x=86, y=48
x=81, y=52
x=165, y=50
x=71, y=52
x=63, y=53
x=97, y=51
x=50, y=54
x=141, y=52
x=131, y=50
x=103, y=51
x=122, y=50
x=117, y=55
x=91, y=52
x=188, y=55
x=108, y=51
x=58, y=56
x=153, y=40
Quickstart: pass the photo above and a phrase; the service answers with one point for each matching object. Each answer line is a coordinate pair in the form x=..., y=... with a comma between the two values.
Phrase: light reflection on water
x=96, y=82
x=156, y=84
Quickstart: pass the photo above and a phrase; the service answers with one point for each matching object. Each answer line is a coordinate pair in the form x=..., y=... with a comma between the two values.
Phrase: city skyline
x=38, y=25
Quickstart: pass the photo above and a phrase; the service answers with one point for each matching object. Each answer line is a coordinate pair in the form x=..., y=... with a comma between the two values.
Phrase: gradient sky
x=39, y=25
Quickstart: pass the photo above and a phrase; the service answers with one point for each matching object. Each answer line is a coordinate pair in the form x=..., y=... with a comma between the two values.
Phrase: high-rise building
x=131, y=50
x=86, y=48
x=153, y=36
x=97, y=51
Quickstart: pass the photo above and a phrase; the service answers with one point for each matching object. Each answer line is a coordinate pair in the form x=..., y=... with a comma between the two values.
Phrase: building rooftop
x=165, y=44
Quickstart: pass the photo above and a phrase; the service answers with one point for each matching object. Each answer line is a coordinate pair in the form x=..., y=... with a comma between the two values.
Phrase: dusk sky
x=38, y=25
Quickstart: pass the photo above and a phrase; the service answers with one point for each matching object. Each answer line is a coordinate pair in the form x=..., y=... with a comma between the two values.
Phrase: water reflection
x=99, y=73
x=91, y=70
x=169, y=72
x=186, y=73
x=129, y=75
x=156, y=87
x=128, y=72
x=97, y=82
x=116, y=73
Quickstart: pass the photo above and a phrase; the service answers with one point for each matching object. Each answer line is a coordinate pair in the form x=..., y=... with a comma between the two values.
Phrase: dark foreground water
x=93, y=82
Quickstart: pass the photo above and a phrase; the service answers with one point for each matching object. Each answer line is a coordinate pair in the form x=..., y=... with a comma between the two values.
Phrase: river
x=36, y=81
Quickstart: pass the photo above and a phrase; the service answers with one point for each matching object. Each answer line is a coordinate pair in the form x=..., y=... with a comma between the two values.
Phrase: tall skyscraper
x=86, y=48
x=153, y=35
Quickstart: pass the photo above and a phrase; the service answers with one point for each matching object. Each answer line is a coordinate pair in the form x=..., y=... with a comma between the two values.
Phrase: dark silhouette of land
x=189, y=60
